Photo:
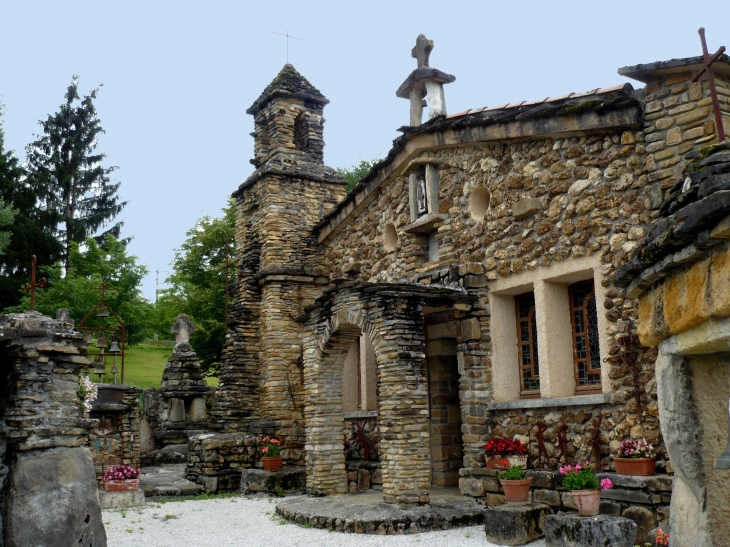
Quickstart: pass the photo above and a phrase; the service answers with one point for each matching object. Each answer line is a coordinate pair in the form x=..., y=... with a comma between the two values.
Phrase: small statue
x=541, y=450
x=563, y=442
x=421, y=197
x=182, y=328
x=596, y=441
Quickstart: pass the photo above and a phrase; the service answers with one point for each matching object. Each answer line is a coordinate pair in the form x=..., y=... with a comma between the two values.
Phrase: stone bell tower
x=280, y=263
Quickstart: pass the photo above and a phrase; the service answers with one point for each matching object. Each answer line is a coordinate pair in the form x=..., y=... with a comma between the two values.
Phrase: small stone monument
x=182, y=328
x=425, y=82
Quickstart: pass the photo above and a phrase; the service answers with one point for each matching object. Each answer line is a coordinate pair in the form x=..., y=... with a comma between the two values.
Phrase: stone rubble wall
x=116, y=438
x=216, y=460
x=645, y=500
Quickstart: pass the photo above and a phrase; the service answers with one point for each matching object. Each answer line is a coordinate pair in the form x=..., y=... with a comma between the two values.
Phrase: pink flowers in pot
x=636, y=449
x=269, y=446
x=120, y=473
x=580, y=477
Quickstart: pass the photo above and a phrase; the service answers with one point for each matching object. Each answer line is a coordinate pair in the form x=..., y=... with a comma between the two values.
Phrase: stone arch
x=397, y=336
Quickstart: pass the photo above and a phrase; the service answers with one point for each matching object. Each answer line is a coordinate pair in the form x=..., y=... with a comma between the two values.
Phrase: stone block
x=494, y=499
x=471, y=329
x=54, y=497
x=363, y=479
x=121, y=500
x=610, y=508
x=551, y=497
x=541, y=479
x=285, y=480
x=526, y=207
x=471, y=487
x=631, y=496
x=210, y=484
x=644, y=520
x=176, y=412
x=507, y=525
x=599, y=531
x=197, y=410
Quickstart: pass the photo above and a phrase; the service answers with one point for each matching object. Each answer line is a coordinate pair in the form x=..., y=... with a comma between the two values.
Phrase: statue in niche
x=421, y=197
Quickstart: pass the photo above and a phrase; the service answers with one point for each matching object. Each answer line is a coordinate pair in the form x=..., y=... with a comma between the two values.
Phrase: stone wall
x=642, y=499
x=215, y=460
x=47, y=481
x=116, y=438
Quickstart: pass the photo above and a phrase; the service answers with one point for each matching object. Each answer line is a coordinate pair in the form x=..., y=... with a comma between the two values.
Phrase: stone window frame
x=555, y=339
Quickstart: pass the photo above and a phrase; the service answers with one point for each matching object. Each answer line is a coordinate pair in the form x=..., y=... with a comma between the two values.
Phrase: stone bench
x=515, y=525
x=572, y=530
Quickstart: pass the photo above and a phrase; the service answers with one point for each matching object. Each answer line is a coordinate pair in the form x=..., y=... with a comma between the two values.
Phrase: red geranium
x=499, y=446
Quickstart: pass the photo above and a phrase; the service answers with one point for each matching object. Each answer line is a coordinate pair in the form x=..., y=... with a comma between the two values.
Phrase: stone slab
x=166, y=481
x=286, y=480
x=366, y=513
x=121, y=500
x=507, y=525
x=600, y=531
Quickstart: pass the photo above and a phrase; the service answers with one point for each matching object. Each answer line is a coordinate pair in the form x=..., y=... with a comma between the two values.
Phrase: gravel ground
x=238, y=521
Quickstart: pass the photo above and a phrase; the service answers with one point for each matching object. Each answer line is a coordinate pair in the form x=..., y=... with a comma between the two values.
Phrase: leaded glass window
x=527, y=344
x=584, y=320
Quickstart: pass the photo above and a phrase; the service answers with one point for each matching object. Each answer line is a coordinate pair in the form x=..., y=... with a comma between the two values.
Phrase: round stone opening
x=390, y=237
x=479, y=203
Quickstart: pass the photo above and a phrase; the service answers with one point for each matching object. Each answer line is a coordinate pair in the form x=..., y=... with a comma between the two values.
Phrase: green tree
x=77, y=288
x=28, y=234
x=72, y=186
x=7, y=214
x=198, y=286
x=356, y=172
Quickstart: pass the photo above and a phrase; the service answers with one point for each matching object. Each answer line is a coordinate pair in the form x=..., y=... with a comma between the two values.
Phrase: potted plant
x=499, y=449
x=270, y=455
x=584, y=487
x=121, y=478
x=637, y=458
x=515, y=484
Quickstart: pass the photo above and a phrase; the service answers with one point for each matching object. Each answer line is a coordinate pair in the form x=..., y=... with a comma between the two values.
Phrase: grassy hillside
x=143, y=366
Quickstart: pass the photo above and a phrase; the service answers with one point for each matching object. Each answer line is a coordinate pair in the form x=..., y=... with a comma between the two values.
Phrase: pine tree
x=73, y=188
x=28, y=235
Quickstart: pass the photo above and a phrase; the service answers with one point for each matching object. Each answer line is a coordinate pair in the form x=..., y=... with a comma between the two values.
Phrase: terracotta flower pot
x=516, y=492
x=493, y=462
x=124, y=485
x=587, y=501
x=272, y=464
x=638, y=467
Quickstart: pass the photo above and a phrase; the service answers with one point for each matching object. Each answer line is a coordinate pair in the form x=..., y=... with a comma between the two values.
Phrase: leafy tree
x=356, y=172
x=7, y=213
x=28, y=234
x=73, y=187
x=77, y=288
x=197, y=286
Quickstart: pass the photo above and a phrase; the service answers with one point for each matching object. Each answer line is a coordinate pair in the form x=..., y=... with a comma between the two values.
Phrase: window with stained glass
x=584, y=319
x=527, y=344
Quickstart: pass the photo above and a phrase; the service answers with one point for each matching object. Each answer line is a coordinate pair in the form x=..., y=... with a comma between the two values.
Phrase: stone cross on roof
x=422, y=50
x=182, y=328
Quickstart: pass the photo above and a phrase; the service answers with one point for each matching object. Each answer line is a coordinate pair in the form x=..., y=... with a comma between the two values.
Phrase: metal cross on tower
x=711, y=82
x=32, y=285
x=287, y=42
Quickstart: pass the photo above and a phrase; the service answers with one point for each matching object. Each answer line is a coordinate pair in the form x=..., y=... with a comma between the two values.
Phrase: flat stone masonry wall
x=216, y=460
x=645, y=500
x=115, y=439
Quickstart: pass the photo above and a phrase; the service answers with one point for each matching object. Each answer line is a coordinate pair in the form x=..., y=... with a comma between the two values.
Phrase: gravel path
x=242, y=522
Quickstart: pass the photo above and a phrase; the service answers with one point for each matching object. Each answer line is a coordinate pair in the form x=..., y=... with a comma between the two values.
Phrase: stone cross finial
x=422, y=50
x=182, y=328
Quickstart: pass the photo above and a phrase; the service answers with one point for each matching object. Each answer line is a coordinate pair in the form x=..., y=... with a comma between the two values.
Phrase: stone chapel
x=464, y=289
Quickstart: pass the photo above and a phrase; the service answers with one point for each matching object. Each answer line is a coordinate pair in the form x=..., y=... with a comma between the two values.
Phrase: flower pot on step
x=516, y=492
x=587, y=501
x=272, y=464
x=637, y=467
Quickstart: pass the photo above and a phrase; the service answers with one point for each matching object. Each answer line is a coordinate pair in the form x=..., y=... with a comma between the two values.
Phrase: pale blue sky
x=178, y=77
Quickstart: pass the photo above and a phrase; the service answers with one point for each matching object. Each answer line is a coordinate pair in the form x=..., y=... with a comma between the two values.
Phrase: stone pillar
x=49, y=493
x=435, y=98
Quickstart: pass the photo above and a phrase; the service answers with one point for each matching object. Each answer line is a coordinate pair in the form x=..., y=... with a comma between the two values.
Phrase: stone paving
x=366, y=513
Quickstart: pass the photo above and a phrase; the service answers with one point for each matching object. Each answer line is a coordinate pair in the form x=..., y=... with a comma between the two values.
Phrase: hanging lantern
x=103, y=312
x=114, y=348
x=101, y=342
